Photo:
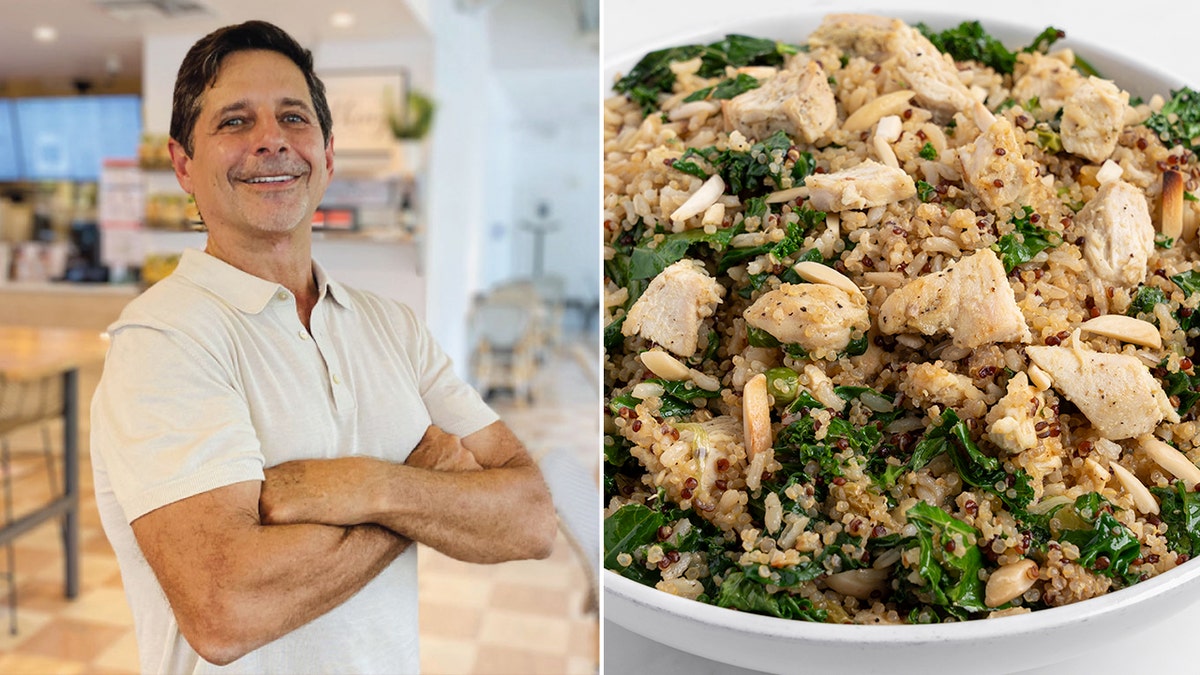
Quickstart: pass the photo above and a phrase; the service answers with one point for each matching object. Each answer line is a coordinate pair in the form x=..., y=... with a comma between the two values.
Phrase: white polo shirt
x=210, y=377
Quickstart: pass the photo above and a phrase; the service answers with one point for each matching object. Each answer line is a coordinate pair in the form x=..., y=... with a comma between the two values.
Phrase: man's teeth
x=269, y=179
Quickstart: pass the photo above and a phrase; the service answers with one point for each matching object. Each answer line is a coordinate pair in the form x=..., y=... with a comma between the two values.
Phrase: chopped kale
x=740, y=592
x=646, y=262
x=1024, y=242
x=630, y=529
x=809, y=218
x=1180, y=510
x=744, y=173
x=949, y=561
x=925, y=191
x=1178, y=122
x=970, y=42
x=1188, y=282
x=652, y=75
x=725, y=89
x=978, y=470
x=928, y=151
x=680, y=389
x=1179, y=383
x=1144, y=300
x=1107, y=548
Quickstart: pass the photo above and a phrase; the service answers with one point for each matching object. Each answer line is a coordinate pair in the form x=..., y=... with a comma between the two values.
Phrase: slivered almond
x=704, y=380
x=664, y=365
x=787, y=195
x=1173, y=461
x=756, y=416
x=817, y=273
x=1010, y=581
x=1039, y=378
x=870, y=113
x=1143, y=501
x=1172, y=204
x=859, y=583
x=708, y=194
x=1125, y=328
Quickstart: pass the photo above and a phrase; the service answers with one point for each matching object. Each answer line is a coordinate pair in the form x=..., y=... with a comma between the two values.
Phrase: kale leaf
x=978, y=470
x=725, y=89
x=970, y=42
x=742, y=171
x=647, y=263
x=628, y=530
x=1107, y=548
x=652, y=75
x=1024, y=242
x=740, y=592
x=949, y=561
x=1180, y=510
x=1178, y=122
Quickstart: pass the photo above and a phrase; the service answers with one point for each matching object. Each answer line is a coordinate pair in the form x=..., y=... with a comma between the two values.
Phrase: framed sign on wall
x=362, y=102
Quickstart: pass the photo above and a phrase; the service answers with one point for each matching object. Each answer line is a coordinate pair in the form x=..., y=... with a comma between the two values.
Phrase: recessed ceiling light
x=45, y=33
x=341, y=19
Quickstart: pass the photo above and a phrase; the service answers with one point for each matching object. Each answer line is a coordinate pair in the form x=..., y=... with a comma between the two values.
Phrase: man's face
x=259, y=163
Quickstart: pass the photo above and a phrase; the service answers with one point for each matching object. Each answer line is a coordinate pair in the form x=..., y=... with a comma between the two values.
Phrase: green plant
x=417, y=118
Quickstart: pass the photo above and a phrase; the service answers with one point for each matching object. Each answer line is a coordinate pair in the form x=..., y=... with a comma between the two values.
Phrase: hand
x=441, y=451
x=322, y=491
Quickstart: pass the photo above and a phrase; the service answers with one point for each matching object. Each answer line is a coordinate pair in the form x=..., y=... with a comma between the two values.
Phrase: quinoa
x=911, y=456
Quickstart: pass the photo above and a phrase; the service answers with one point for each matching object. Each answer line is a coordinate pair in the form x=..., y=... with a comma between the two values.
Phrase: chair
x=504, y=355
x=23, y=404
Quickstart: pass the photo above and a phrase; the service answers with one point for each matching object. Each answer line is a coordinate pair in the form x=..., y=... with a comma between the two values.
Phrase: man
x=268, y=443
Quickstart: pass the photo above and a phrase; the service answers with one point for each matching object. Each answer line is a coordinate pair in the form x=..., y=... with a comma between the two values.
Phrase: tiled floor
x=520, y=617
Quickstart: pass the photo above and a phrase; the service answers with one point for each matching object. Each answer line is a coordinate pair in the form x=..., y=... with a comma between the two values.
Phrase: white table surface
x=1163, y=35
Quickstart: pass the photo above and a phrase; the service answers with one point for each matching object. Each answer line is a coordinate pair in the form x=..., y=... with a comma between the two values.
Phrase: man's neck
x=285, y=259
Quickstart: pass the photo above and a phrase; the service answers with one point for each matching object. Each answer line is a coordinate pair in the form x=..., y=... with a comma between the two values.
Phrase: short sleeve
x=453, y=405
x=169, y=421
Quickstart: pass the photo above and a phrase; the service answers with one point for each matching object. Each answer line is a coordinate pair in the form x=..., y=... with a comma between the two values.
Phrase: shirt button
x=282, y=295
x=303, y=334
x=336, y=379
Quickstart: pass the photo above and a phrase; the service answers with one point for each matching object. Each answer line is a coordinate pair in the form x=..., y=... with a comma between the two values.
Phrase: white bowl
x=1061, y=635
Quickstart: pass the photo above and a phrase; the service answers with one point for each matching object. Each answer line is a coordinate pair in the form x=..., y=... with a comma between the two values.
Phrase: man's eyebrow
x=244, y=104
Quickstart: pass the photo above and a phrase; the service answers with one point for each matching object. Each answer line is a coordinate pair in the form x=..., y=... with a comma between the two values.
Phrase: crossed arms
x=245, y=564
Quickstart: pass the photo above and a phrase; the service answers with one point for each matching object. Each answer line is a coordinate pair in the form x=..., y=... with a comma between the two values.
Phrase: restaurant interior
x=465, y=174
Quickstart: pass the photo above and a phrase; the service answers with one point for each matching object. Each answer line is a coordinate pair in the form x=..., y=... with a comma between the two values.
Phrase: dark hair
x=203, y=62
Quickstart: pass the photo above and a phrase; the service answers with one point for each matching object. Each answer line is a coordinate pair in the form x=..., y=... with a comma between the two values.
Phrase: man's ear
x=182, y=165
x=329, y=158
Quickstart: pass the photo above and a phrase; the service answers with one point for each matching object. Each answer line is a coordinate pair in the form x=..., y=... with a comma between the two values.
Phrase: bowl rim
x=1136, y=76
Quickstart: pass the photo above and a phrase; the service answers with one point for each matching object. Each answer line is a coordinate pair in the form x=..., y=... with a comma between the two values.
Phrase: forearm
x=235, y=584
x=485, y=516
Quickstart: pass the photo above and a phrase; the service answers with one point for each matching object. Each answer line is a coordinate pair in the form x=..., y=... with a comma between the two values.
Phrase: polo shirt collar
x=242, y=290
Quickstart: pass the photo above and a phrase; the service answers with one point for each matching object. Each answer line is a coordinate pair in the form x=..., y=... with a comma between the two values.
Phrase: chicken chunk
x=799, y=103
x=971, y=300
x=1047, y=78
x=993, y=166
x=1114, y=391
x=818, y=317
x=862, y=186
x=1118, y=234
x=670, y=311
x=930, y=383
x=904, y=53
x=1093, y=116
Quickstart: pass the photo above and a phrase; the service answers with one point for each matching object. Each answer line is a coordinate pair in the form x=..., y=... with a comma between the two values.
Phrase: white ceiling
x=541, y=56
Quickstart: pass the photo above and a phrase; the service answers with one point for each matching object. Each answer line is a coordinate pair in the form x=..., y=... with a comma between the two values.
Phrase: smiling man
x=268, y=443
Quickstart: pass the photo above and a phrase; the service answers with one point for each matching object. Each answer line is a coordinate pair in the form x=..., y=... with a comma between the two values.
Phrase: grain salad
x=899, y=325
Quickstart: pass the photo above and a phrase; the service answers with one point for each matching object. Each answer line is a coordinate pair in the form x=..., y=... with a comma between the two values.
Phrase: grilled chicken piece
x=1049, y=79
x=930, y=383
x=669, y=312
x=1114, y=391
x=905, y=54
x=860, y=187
x=971, y=300
x=799, y=103
x=818, y=317
x=993, y=166
x=1093, y=116
x=1117, y=232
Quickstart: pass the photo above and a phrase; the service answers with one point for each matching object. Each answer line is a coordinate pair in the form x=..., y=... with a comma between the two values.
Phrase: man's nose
x=270, y=137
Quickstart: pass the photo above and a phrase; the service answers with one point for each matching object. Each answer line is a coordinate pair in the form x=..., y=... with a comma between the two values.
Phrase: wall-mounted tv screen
x=69, y=138
x=10, y=167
